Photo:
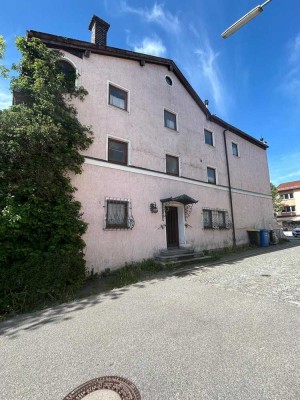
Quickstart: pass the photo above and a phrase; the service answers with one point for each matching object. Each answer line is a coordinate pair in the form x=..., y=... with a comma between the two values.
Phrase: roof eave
x=64, y=43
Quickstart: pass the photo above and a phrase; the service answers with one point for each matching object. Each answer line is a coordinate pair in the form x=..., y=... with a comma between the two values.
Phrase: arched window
x=70, y=73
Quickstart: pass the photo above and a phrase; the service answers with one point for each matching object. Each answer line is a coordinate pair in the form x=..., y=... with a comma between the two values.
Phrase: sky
x=251, y=79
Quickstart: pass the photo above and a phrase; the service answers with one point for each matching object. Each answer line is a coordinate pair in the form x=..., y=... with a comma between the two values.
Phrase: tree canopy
x=41, y=227
x=276, y=199
x=3, y=70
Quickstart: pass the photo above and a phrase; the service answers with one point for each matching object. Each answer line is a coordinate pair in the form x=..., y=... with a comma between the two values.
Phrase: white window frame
x=213, y=138
x=179, y=162
x=124, y=90
x=216, y=174
x=176, y=116
x=67, y=59
x=238, y=149
x=120, y=139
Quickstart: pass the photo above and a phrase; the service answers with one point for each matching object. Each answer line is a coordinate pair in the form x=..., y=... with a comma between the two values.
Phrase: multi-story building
x=290, y=195
x=163, y=171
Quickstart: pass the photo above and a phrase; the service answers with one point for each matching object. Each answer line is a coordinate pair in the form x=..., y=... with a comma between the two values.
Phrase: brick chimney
x=99, y=30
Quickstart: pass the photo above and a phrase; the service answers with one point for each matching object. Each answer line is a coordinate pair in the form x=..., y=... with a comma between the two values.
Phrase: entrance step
x=175, y=251
x=187, y=261
x=177, y=256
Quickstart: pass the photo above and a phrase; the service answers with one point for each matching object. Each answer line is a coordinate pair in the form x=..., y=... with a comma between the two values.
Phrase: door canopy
x=183, y=199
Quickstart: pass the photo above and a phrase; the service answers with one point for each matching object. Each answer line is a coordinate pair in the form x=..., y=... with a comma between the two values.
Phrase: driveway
x=228, y=331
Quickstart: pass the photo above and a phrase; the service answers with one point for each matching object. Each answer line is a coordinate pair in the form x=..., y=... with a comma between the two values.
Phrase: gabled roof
x=288, y=186
x=80, y=48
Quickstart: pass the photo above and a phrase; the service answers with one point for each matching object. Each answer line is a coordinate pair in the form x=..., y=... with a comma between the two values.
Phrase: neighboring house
x=163, y=171
x=290, y=195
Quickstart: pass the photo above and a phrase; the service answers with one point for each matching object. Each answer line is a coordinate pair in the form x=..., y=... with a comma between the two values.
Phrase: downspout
x=230, y=191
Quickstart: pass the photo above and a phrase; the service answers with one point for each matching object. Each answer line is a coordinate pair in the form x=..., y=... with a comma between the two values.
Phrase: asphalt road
x=230, y=332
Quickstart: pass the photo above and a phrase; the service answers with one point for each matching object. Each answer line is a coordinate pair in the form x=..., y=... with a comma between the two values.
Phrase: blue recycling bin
x=264, y=238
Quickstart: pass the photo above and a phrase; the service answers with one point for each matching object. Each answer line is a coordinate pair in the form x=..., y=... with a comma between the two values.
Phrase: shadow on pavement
x=12, y=328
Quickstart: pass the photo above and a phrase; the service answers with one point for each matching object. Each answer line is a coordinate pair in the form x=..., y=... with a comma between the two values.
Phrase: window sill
x=117, y=229
x=210, y=145
x=118, y=163
x=216, y=229
x=170, y=129
x=118, y=108
x=168, y=173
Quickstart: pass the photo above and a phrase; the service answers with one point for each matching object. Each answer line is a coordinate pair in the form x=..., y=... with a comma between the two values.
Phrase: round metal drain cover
x=105, y=388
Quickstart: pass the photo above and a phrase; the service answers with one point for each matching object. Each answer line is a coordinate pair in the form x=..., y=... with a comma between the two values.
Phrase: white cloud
x=209, y=69
x=291, y=81
x=295, y=50
x=282, y=169
x=5, y=100
x=157, y=15
x=153, y=46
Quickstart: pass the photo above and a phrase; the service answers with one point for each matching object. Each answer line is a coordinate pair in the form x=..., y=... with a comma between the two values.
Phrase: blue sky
x=252, y=79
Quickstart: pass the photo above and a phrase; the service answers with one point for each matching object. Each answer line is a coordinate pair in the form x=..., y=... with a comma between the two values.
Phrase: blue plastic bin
x=264, y=238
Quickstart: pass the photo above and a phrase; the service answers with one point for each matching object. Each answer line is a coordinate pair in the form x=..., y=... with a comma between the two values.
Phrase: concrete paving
x=227, y=331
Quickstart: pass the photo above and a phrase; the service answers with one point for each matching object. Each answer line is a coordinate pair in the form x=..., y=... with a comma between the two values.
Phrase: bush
x=41, y=246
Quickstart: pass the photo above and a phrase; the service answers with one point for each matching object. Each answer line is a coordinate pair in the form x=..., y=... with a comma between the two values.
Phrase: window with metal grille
x=221, y=219
x=117, y=214
x=207, y=219
x=215, y=219
x=118, y=97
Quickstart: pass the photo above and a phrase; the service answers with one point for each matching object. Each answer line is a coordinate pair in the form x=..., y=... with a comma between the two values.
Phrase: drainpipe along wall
x=229, y=186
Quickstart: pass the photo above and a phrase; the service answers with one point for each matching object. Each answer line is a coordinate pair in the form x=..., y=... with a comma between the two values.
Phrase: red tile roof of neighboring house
x=288, y=186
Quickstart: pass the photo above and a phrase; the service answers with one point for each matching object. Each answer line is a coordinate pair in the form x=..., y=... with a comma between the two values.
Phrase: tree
x=41, y=228
x=3, y=70
x=276, y=199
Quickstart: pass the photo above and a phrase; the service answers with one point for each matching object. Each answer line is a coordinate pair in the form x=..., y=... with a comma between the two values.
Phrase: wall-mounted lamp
x=153, y=208
x=206, y=102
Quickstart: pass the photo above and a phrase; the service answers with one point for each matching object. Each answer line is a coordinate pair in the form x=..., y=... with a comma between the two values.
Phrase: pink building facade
x=163, y=172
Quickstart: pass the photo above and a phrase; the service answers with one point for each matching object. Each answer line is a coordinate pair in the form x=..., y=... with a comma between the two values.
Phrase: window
x=235, y=149
x=169, y=81
x=215, y=219
x=170, y=120
x=208, y=137
x=118, y=214
x=207, y=219
x=289, y=209
x=117, y=151
x=221, y=219
x=288, y=196
x=69, y=72
x=172, y=165
x=118, y=97
x=291, y=195
x=211, y=175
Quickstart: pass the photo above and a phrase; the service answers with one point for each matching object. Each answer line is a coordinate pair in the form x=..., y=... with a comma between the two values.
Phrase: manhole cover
x=105, y=388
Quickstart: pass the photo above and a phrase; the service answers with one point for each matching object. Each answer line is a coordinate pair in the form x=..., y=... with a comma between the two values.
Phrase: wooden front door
x=172, y=227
